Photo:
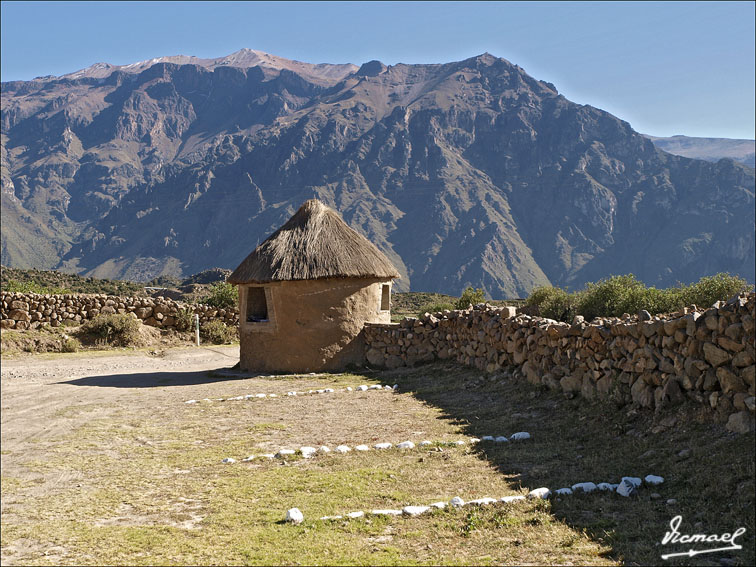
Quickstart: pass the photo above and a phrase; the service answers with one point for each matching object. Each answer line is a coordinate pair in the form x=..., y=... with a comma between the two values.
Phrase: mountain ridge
x=463, y=173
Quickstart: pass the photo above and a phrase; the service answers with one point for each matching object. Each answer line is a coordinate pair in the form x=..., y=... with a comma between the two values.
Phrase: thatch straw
x=314, y=244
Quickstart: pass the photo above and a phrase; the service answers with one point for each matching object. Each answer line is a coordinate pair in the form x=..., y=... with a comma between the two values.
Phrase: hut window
x=385, y=297
x=257, y=306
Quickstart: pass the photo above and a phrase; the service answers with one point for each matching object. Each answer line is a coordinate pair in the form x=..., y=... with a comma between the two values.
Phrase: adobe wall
x=701, y=356
x=30, y=310
x=313, y=325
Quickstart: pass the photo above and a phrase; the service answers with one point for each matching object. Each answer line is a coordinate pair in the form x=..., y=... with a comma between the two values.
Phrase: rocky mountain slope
x=466, y=173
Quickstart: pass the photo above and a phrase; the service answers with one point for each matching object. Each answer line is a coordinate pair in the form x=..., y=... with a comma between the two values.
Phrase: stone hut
x=306, y=293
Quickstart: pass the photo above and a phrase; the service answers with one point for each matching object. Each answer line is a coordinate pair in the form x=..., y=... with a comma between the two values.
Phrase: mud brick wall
x=695, y=355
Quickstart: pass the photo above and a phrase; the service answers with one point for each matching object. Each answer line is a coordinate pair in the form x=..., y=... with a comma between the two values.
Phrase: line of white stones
x=309, y=452
x=626, y=487
x=360, y=388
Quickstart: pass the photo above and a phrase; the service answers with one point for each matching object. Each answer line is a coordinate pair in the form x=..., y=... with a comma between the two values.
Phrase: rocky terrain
x=466, y=173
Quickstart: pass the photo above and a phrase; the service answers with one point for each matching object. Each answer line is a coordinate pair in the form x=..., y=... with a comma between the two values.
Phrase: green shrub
x=218, y=333
x=185, y=319
x=32, y=287
x=117, y=329
x=616, y=295
x=470, y=297
x=222, y=295
x=70, y=345
x=710, y=289
x=434, y=308
x=553, y=303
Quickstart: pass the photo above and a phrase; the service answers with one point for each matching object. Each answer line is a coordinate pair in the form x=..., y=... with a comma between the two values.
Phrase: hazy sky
x=666, y=67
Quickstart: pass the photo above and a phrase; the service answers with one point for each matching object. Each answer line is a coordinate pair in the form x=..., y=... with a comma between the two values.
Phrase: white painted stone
x=487, y=438
x=439, y=505
x=542, y=493
x=625, y=488
x=323, y=449
x=396, y=387
x=653, y=480
x=308, y=452
x=481, y=501
x=291, y=393
x=520, y=436
x=375, y=387
x=457, y=502
x=383, y=445
x=386, y=512
x=261, y=396
x=634, y=480
x=501, y=439
x=406, y=445
x=460, y=442
x=268, y=455
x=294, y=516
x=356, y=514
x=387, y=388
x=362, y=388
x=474, y=440
x=605, y=486
x=508, y=499
x=247, y=459
x=229, y=460
x=248, y=396
x=190, y=402
x=320, y=391
x=342, y=449
x=332, y=518
x=362, y=448
x=349, y=389
x=564, y=491
x=584, y=487
x=285, y=452
x=425, y=443
x=415, y=510
x=329, y=390
x=272, y=396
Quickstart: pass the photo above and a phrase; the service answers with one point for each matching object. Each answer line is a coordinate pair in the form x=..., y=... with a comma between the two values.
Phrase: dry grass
x=141, y=482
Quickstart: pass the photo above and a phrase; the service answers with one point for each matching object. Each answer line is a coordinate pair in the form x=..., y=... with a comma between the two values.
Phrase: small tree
x=222, y=295
x=470, y=297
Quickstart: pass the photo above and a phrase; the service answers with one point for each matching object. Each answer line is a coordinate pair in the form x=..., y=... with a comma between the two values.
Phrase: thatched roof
x=314, y=244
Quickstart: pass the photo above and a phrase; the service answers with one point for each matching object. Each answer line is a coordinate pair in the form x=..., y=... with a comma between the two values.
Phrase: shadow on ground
x=158, y=379
x=709, y=472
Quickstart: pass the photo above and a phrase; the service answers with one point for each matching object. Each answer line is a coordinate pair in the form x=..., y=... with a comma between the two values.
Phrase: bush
x=117, y=330
x=222, y=295
x=32, y=287
x=185, y=319
x=553, y=303
x=434, y=308
x=710, y=289
x=218, y=333
x=616, y=295
x=470, y=297
x=70, y=345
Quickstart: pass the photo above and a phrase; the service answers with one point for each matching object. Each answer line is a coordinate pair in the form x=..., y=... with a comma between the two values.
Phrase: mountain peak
x=371, y=69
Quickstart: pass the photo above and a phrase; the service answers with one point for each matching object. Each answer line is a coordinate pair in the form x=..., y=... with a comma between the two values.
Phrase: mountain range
x=464, y=173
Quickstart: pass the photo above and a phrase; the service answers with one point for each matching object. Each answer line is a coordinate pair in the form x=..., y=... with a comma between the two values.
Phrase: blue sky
x=667, y=68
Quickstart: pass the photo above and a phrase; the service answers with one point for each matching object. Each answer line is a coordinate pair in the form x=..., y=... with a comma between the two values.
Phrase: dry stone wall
x=703, y=356
x=30, y=310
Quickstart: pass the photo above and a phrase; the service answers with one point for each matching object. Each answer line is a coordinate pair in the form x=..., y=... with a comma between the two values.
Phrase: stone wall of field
x=30, y=310
x=700, y=356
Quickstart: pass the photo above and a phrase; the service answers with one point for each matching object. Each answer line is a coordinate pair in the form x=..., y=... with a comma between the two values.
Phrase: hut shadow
x=574, y=440
x=160, y=379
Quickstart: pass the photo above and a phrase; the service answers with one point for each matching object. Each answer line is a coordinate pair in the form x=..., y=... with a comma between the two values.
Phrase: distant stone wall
x=704, y=356
x=30, y=310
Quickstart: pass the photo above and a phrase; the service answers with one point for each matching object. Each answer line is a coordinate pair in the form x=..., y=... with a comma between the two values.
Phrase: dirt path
x=44, y=398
